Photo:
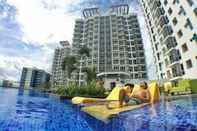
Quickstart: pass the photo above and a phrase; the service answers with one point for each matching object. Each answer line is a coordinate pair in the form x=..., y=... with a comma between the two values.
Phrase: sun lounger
x=113, y=96
x=105, y=112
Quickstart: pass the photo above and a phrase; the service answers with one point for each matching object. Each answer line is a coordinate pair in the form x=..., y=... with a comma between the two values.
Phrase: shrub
x=89, y=90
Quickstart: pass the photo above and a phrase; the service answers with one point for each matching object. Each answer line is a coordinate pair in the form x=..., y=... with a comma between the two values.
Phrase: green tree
x=84, y=52
x=45, y=86
x=69, y=65
x=91, y=74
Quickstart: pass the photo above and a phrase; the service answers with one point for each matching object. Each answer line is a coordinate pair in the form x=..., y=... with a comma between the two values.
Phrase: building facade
x=33, y=77
x=172, y=26
x=9, y=83
x=115, y=43
x=58, y=75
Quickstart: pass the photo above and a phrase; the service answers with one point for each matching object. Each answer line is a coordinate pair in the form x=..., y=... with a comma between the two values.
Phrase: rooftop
x=115, y=9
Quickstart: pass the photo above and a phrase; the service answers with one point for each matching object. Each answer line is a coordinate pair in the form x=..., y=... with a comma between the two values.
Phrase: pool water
x=22, y=110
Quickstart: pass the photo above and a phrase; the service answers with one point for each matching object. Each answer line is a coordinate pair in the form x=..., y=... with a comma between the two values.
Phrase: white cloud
x=11, y=66
x=45, y=21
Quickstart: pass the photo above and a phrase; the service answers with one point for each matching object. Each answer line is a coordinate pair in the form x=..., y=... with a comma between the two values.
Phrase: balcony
x=174, y=56
x=159, y=11
x=155, y=4
x=177, y=70
x=170, y=42
x=163, y=20
x=166, y=31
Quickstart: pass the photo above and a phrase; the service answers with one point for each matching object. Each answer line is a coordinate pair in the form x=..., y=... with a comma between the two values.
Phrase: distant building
x=33, y=77
x=1, y=83
x=7, y=83
x=115, y=41
x=58, y=75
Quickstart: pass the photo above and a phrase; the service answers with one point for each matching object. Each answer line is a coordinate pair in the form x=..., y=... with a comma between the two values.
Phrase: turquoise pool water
x=33, y=111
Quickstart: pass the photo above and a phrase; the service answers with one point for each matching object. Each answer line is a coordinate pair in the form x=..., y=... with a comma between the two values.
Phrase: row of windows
x=190, y=2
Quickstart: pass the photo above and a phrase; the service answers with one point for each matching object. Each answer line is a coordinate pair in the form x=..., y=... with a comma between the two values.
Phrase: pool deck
x=179, y=96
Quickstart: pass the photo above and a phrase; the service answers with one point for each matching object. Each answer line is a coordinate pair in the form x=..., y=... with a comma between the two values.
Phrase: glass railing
x=174, y=56
x=159, y=11
x=155, y=4
x=177, y=70
x=170, y=43
x=166, y=31
x=163, y=20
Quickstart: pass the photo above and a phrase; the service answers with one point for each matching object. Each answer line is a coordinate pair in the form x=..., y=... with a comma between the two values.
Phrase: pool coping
x=179, y=96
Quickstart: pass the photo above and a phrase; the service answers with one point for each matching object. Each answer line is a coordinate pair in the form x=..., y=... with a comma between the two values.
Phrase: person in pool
x=141, y=95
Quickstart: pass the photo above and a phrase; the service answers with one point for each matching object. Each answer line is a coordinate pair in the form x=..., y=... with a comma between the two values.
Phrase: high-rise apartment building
x=58, y=75
x=115, y=43
x=33, y=77
x=172, y=26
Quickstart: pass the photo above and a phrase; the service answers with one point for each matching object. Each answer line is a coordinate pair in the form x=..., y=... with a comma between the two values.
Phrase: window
x=182, y=11
x=195, y=11
x=165, y=2
x=144, y=75
x=180, y=33
x=116, y=67
x=130, y=61
x=184, y=47
x=158, y=56
x=122, y=62
x=188, y=24
x=156, y=46
x=189, y=64
x=160, y=66
x=122, y=68
x=190, y=2
x=175, y=1
x=182, y=68
x=154, y=39
x=174, y=21
x=115, y=62
x=194, y=38
x=152, y=31
x=136, y=76
x=169, y=11
x=161, y=75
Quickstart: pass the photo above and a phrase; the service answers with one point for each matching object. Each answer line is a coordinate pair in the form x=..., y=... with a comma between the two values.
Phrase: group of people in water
x=128, y=95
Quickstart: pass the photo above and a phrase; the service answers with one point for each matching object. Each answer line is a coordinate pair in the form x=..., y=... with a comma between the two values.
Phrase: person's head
x=144, y=85
x=129, y=87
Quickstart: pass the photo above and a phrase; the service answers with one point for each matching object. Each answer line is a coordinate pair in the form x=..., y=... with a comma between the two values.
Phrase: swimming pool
x=33, y=111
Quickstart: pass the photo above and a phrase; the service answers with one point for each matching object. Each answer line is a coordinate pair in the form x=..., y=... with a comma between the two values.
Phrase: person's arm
x=121, y=97
x=148, y=97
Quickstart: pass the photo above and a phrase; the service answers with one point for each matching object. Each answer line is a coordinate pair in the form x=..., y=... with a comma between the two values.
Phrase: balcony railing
x=166, y=31
x=174, y=56
x=155, y=4
x=159, y=11
x=170, y=42
x=163, y=20
x=177, y=70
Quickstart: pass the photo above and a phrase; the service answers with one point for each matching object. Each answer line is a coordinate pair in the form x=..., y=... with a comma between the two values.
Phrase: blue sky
x=30, y=31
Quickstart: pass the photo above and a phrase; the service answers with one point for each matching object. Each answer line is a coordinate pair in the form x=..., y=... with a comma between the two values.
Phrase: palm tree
x=84, y=51
x=91, y=74
x=69, y=65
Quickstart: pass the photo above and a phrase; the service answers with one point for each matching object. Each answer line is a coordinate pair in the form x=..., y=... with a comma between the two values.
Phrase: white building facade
x=115, y=41
x=172, y=26
x=58, y=75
